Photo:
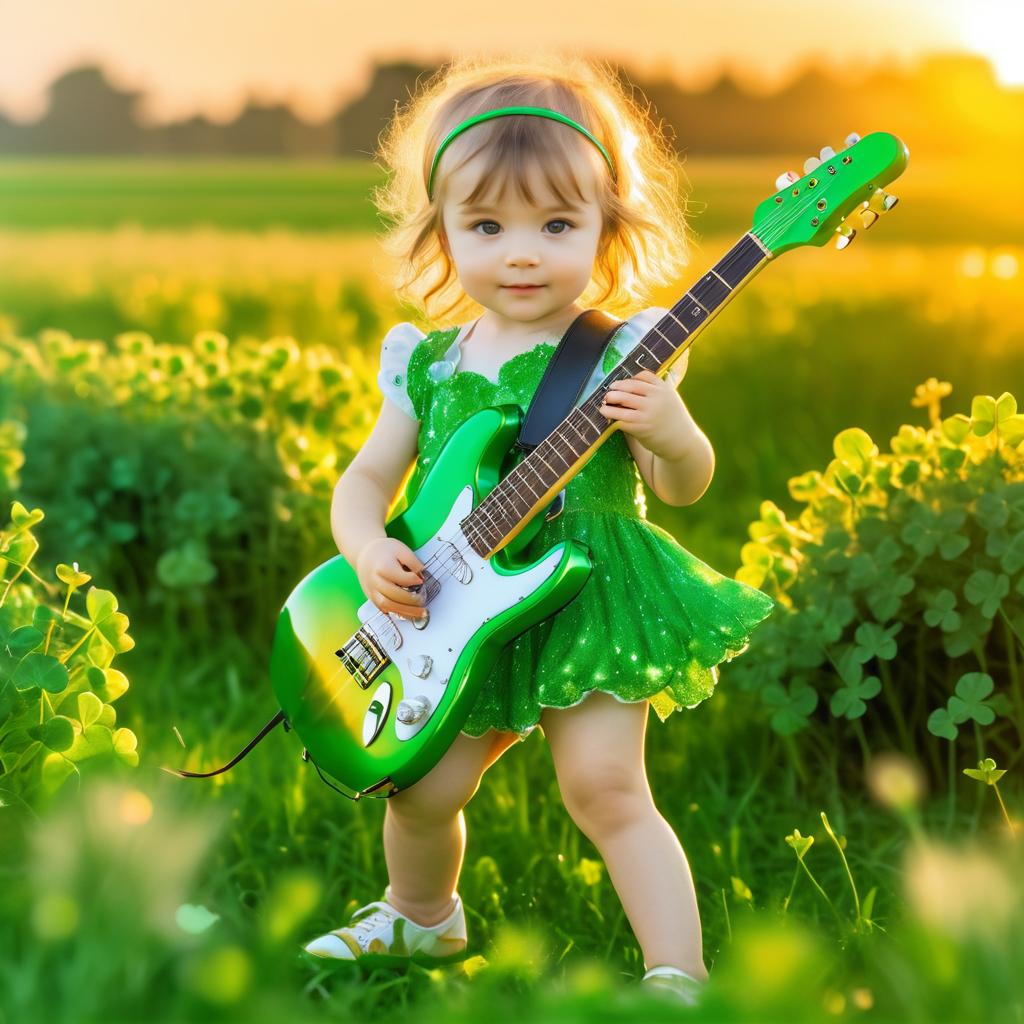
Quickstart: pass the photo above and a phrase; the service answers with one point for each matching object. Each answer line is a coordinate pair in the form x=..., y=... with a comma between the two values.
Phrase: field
x=187, y=355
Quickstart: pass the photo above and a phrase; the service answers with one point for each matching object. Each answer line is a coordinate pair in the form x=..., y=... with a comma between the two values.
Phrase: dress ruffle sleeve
x=392, y=378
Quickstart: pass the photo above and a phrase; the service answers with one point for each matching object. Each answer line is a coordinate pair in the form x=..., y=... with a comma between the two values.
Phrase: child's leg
x=425, y=830
x=598, y=750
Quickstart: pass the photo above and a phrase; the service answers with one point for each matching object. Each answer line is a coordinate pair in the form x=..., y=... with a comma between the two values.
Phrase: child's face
x=510, y=241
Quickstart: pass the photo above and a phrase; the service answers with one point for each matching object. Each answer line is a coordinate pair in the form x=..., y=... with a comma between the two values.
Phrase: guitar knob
x=867, y=218
x=827, y=152
x=810, y=163
x=852, y=139
x=786, y=178
x=846, y=236
x=411, y=711
x=420, y=665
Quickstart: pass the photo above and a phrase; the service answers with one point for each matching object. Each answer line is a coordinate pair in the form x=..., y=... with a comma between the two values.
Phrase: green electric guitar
x=377, y=698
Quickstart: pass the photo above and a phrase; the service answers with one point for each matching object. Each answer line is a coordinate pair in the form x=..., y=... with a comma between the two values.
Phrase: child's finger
x=411, y=563
x=626, y=399
x=619, y=412
x=398, y=574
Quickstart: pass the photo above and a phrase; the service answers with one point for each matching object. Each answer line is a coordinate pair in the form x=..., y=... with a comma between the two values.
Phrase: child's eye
x=481, y=223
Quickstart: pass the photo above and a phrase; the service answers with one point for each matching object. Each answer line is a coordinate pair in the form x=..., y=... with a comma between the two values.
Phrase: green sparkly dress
x=652, y=622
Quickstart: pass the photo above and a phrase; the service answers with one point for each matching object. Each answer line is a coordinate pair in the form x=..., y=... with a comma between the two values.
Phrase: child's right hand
x=384, y=576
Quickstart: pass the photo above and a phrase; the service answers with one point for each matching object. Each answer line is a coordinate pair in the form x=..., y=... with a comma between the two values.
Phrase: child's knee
x=433, y=801
x=600, y=800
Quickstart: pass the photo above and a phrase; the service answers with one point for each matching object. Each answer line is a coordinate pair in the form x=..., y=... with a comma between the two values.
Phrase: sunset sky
x=207, y=57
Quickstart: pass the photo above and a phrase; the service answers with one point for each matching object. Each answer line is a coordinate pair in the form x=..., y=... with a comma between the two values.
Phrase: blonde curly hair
x=644, y=238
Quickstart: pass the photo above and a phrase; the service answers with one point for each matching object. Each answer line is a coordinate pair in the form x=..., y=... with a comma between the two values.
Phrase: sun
x=995, y=28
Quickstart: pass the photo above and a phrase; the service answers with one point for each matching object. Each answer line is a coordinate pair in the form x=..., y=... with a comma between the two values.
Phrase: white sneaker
x=377, y=935
x=673, y=983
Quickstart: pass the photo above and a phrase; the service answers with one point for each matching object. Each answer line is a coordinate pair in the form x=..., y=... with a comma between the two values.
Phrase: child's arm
x=388, y=570
x=367, y=488
x=682, y=477
x=672, y=453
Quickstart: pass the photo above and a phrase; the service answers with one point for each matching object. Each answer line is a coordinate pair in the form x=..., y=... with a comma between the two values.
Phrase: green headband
x=553, y=115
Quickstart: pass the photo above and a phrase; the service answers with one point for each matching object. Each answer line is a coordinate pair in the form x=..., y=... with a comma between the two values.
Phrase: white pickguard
x=457, y=610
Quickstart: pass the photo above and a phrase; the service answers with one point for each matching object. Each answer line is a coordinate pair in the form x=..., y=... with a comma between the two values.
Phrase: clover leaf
x=791, y=707
x=849, y=701
x=1000, y=414
x=940, y=611
x=40, y=671
x=111, y=624
x=969, y=699
x=23, y=640
x=987, y=589
x=940, y=723
x=991, y=510
x=886, y=597
x=873, y=641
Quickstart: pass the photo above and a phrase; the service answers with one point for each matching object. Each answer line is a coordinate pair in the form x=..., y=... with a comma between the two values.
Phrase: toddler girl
x=533, y=189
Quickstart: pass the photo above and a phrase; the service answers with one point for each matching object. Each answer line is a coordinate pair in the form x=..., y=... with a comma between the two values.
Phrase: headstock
x=810, y=210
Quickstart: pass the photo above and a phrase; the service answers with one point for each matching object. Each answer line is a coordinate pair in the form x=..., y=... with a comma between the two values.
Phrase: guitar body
x=340, y=667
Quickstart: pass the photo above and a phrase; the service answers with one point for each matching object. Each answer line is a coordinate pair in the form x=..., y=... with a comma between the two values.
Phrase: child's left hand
x=648, y=408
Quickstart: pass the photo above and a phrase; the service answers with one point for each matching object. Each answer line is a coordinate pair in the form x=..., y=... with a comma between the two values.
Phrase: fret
x=672, y=314
x=573, y=425
x=557, y=433
x=558, y=451
x=710, y=291
x=540, y=456
x=520, y=471
x=699, y=303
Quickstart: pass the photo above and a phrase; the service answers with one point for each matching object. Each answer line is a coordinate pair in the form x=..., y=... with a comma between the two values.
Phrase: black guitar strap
x=570, y=368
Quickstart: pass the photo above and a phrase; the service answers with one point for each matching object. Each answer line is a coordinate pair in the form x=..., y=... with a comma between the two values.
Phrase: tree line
x=951, y=102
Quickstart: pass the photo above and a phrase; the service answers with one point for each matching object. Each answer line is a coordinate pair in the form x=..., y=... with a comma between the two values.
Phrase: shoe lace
x=381, y=916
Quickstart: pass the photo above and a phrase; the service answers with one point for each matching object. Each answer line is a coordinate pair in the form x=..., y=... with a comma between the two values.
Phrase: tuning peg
x=867, y=218
x=785, y=179
x=881, y=201
x=827, y=152
x=852, y=139
x=810, y=163
x=846, y=235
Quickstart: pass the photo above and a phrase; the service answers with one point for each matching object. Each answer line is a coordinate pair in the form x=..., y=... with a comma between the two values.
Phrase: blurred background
x=192, y=299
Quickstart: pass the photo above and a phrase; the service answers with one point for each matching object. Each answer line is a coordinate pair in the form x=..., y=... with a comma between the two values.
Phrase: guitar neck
x=535, y=481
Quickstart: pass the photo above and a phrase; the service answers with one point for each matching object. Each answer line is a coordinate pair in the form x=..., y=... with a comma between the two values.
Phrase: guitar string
x=784, y=217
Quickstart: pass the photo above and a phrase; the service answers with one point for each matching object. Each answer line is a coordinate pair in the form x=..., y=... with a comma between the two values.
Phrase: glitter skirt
x=652, y=622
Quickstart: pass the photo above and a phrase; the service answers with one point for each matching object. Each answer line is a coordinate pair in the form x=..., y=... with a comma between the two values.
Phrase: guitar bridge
x=363, y=657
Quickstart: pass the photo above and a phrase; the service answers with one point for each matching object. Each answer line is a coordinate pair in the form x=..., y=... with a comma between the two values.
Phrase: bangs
x=517, y=152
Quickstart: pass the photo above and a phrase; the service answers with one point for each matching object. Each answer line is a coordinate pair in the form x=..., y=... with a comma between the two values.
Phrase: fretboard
x=534, y=482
